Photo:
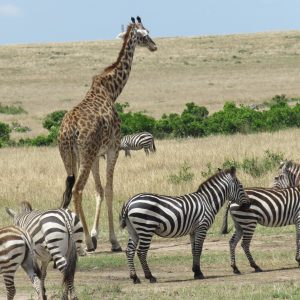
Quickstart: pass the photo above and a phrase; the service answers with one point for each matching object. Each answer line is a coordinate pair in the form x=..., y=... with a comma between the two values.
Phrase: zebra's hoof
x=199, y=276
x=116, y=249
x=258, y=270
x=152, y=279
x=94, y=241
x=237, y=271
x=136, y=280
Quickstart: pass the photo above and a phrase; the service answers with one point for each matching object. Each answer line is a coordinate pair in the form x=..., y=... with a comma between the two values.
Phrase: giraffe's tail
x=67, y=196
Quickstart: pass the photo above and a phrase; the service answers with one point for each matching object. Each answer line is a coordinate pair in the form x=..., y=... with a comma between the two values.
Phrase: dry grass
x=207, y=70
x=37, y=174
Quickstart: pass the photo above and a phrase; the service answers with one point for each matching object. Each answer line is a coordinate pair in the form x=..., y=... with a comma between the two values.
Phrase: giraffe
x=92, y=129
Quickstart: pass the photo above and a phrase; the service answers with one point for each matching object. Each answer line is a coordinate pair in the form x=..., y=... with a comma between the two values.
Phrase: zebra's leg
x=247, y=237
x=32, y=270
x=43, y=275
x=8, y=277
x=142, y=254
x=127, y=153
x=224, y=228
x=146, y=151
x=99, y=200
x=197, y=241
x=232, y=245
x=130, y=252
x=297, y=257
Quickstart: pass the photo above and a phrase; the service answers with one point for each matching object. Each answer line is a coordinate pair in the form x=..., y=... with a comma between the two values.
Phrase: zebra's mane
x=226, y=171
x=26, y=206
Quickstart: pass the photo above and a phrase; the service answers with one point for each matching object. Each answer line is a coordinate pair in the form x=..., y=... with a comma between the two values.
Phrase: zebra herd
x=57, y=235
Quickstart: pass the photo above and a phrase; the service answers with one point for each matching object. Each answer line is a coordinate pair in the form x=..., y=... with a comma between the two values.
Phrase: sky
x=40, y=21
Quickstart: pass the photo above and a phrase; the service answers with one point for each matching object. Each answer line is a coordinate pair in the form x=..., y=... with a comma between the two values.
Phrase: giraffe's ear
x=132, y=19
x=121, y=35
x=139, y=19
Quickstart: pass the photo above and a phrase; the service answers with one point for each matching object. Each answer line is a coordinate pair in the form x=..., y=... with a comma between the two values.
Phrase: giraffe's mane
x=226, y=171
x=121, y=53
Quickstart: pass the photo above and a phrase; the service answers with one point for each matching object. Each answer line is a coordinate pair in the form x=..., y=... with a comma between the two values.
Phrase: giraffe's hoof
x=94, y=241
x=152, y=279
x=90, y=251
x=119, y=249
x=237, y=271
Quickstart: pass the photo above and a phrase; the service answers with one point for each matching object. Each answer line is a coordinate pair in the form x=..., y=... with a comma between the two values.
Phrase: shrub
x=54, y=119
x=11, y=109
x=4, y=133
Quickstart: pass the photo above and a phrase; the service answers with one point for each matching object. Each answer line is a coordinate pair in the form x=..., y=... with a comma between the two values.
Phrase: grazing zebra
x=147, y=214
x=288, y=175
x=138, y=141
x=271, y=207
x=57, y=235
x=16, y=250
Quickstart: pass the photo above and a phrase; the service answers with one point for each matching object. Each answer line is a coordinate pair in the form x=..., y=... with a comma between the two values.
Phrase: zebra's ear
x=233, y=171
x=10, y=212
x=219, y=170
x=288, y=164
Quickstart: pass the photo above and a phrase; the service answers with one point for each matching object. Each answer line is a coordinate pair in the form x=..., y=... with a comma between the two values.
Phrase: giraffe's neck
x=116, y=76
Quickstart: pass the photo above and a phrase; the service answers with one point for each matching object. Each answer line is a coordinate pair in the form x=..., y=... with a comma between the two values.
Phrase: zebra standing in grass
x=16, y=250
x=271, y=207
x=147, y=214
x=138, y=141
x=57, y=235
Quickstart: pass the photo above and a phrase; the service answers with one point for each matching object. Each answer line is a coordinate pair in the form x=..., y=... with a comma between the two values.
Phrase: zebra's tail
x=67, y=196
x=123, y=216
x=31, y=253
x=153, y=146
x=224, y=228
x=69, y=272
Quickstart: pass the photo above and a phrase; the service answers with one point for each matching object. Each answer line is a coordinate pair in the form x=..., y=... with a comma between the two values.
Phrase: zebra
x=271, y=207
x=57, y=235
x=15, y=250
x=288, y=175
x=147, y=214
x=137, y=141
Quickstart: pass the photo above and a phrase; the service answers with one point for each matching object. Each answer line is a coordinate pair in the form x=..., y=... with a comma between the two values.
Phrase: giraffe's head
x=141, y=34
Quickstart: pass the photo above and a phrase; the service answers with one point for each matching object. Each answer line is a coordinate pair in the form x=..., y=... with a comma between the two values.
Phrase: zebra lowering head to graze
x=288, y=175
x=147, y=214
x=271, y=207
x=57, y=235
x=138, y=141
x=16, y=250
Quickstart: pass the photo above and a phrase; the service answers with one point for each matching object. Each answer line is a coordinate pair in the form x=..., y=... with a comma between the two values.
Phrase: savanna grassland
x=207, y=70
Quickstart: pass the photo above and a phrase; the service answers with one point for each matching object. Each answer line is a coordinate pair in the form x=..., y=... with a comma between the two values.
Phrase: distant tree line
x=194, y=121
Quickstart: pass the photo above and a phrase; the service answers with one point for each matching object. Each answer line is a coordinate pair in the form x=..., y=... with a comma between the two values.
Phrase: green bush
x=184, y=175
x=54, y=119
x=4, y=133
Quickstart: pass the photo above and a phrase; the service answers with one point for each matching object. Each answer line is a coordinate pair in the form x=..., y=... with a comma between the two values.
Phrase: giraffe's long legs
x=99, y=200
x=83, y=175
x=112, y=156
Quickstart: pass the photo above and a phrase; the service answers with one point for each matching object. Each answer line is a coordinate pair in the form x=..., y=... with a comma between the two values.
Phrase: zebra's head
x=17, y=216
x=236, y=192
x=288, y=175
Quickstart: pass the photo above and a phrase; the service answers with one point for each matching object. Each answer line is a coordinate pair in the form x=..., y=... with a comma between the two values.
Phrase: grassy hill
x=208, y=70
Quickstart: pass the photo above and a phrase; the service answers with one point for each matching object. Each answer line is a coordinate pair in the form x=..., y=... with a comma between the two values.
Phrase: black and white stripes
x=138, y=141
x=16, y=250
x=269, y=207
x=147, y=214
x=57, y=235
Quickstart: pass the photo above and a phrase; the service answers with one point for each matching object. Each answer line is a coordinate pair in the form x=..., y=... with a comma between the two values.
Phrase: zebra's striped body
x=16, y=250
x=57, y=235
x=269, y=207
x=147, y=214
x=138, y=141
